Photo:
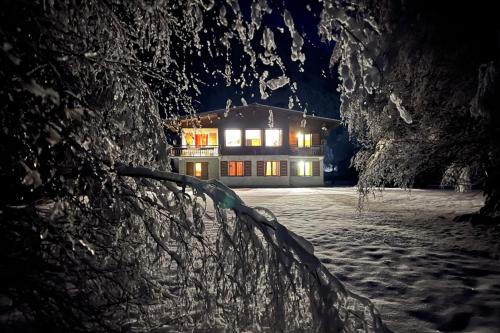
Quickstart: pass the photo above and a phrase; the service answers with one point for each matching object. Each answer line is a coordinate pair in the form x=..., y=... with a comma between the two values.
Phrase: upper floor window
x=273, y=138
x=253, y=138
x=235, y=168
x=233, y=137
x=200, y=137
x=304, y=140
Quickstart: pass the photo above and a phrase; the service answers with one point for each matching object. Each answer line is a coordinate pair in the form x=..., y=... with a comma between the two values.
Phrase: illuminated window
x=304, y=168
x=235, y=168
x=272, y=168
x=304, y=140
x=273, y=137
x=197, y=169
x=199, y=137
x=253, y=138
x=233, y=138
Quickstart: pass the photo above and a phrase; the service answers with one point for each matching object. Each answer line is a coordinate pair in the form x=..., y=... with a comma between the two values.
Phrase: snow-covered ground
x=424, y=272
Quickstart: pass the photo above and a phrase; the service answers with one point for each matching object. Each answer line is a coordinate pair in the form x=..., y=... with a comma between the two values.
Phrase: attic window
x=233, y=137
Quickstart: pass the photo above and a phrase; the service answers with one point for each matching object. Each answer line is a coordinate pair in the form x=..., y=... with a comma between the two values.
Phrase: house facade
x=252, y=146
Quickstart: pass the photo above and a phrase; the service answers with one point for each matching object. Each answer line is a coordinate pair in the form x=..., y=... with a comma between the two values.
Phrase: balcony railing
x=307, y=151
x=196, y=151
x=214, y=151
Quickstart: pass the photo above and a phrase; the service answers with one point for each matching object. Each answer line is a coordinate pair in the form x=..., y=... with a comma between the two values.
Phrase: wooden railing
x=214, y=151
x=307, y=151
x=196, y=151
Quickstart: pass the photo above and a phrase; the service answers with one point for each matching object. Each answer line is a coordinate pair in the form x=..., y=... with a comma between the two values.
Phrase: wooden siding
x=292, y=138
x=255, y=117
x=316, y=139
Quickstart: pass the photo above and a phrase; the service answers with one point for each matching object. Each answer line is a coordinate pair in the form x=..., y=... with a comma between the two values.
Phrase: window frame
x=195, y=169
x=199, y=131
x=235, y=163
x=233, y=129
x=301, y=138
x=280, y=137
x=276, y=168
x=260, y=135
x=304, y=168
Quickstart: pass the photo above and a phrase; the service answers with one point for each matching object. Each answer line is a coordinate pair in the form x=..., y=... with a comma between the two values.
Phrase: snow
x=297, y=40
x=423, y=271
x=403, y=113
x=278, y=82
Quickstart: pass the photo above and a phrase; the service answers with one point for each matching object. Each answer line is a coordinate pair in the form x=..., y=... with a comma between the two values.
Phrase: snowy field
x=424, y=272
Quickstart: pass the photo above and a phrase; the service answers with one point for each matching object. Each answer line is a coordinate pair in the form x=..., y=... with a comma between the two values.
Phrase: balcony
x=207, y=151
x=307, y=151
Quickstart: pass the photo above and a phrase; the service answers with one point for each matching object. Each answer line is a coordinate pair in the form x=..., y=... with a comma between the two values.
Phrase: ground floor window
x=197, y=169
x=304, y=168
x=272, y=168
x=235, y=168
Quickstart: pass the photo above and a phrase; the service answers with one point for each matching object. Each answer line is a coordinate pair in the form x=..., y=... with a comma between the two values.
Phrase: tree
x=419, y=91
x=95, y=233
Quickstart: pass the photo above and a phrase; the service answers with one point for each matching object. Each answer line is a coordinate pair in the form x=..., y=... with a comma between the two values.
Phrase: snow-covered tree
x=420, y=90
x=95, y=233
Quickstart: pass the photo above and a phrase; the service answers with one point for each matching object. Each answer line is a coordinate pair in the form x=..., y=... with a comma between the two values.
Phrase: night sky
x=317, y=83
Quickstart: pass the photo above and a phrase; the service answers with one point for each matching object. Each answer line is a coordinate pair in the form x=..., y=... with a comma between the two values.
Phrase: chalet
x=254, y=145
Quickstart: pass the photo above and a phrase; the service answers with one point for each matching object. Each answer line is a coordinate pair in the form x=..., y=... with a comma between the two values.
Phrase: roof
x=264, y=108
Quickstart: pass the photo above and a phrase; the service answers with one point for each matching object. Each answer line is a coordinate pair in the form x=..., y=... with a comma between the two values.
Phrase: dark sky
x=317, y=84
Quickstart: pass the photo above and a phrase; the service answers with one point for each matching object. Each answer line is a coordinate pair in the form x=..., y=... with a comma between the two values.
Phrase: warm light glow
x=272, y=168
x=304, y=140
x=273, y=137
x=235, y=168
x=233, y=137
x=197, y=169
x=304, y=168
x=253, y=138
x=200, y=137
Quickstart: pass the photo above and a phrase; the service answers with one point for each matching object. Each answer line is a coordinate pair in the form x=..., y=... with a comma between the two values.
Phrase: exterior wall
x=213, y=165
x=254, y=180
x=300, y=181
x=257, y=117
x=253, y=119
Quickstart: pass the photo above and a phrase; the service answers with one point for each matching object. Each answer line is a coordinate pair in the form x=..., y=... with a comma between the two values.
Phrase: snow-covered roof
x=265, y=108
